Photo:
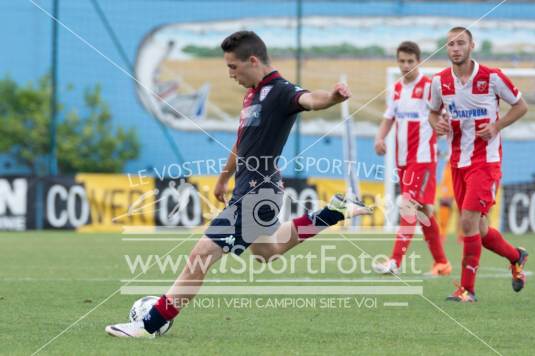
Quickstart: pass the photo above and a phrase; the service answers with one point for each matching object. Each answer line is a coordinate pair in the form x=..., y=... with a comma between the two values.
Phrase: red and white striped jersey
x=469, y=107
x=415, y=138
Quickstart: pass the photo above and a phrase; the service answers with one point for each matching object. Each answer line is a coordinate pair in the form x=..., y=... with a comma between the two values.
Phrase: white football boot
x=133, y=329
x=349, y=206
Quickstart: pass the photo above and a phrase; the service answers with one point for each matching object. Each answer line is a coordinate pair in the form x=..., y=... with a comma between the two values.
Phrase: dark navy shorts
x=245, y=219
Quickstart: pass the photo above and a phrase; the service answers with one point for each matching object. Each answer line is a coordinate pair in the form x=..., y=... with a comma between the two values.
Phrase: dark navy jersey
x=268, y=114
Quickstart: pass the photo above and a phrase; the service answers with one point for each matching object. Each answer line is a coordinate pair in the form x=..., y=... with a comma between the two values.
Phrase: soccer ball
x=142, y=307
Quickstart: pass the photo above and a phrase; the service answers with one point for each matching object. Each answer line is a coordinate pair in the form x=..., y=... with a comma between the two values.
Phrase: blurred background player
x=415, y=158
x=470, y=93
x=270, y=108
x=446, y=206
x=445, y=202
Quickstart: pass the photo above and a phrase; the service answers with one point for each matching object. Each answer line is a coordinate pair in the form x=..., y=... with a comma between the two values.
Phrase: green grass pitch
x=48, y=280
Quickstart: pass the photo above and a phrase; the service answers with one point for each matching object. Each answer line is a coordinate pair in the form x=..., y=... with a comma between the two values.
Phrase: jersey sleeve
x=434, y=97
x=289, y=96
x=504, y=88
x=390, y=112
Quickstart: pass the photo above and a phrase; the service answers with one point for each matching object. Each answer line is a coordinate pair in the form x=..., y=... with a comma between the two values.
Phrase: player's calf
x=202, y=257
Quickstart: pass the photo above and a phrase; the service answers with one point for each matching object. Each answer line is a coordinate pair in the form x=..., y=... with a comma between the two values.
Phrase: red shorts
x=419, y=181
x=475, y=187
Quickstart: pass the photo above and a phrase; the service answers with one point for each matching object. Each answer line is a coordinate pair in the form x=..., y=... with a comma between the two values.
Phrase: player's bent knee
x=468, y=225
x=261, y=259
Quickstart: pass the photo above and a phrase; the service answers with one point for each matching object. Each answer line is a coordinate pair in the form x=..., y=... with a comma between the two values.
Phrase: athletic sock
x=495, y=242
x=160, y=314
x=470, y=264
x=309, y=225
x=432, y=237
x=403, y=240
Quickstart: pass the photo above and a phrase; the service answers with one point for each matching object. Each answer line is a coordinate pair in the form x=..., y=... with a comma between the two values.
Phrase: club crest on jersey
x=418, y=91
x=265, y=91
x=250, y=116
x=481, y=87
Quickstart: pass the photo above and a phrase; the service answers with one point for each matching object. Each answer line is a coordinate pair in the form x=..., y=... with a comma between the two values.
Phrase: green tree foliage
x=441, y=50
x=85, y=143
x=486, y=48
x=328, y=51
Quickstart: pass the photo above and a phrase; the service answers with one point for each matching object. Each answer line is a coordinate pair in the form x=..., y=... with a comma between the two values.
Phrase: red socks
x=305, y=227
x=160, y=313
x=495, y=242
x=166, y=308
x=403, y=239
x=434, y=242
x=311, y=225
x=471, y=255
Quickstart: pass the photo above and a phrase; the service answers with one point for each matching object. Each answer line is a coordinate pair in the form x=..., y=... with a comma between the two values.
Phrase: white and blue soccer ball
x=142, y=307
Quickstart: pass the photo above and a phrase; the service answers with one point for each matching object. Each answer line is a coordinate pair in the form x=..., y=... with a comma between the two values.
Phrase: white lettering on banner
x=52, y=217
x=68, y=215
x=17, y=223
x=290, y=195
x=14, y=198
x=179, y=214
x=75, y=192
x=521, y=200
x=13, y=204
x=306, y=196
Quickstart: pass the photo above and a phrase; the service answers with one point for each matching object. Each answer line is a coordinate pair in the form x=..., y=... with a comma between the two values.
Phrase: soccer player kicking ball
x=416, y=158
x=470, y=93
x=270, y=107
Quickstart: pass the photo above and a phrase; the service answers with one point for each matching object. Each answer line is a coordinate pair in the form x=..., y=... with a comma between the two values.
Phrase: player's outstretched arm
x=323, y=99
x=517, y=110
x=222, y=182
x=384, y=129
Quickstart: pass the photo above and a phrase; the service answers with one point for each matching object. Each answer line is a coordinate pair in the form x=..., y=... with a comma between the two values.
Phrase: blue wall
x=25, y=34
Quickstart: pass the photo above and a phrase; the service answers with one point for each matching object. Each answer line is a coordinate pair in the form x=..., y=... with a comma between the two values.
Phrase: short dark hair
x=462, y=29
x=409, y=47
x=245, y=44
